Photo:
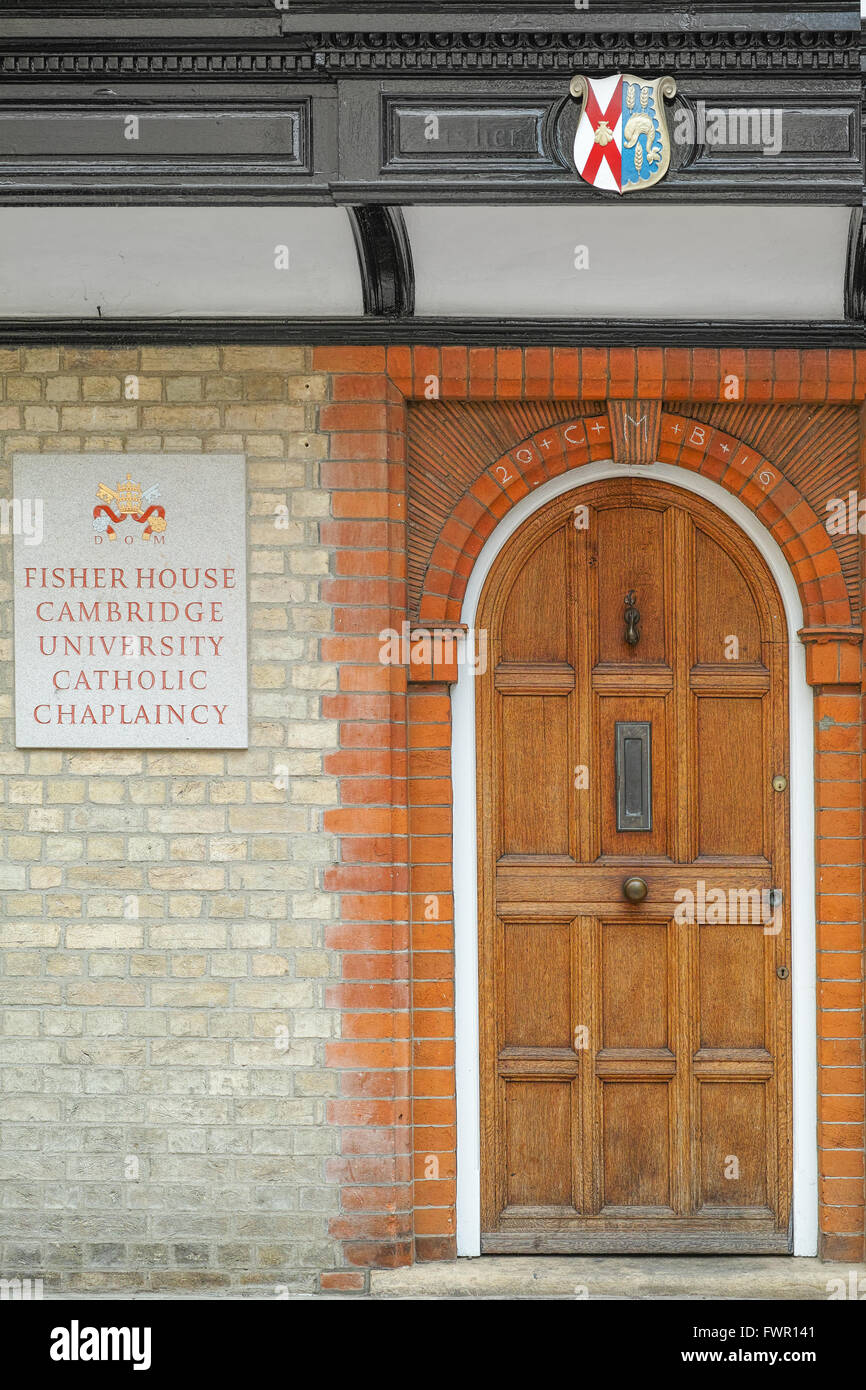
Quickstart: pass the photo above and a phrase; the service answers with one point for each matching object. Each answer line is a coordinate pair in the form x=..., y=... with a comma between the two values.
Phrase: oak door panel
x=534, y=757
x=731, y=790
x=729, y=629
x=733, y=1130
x=654, y=711
x=634, y=970
x=732, y=1002
x=538, y=985
x=539, y=1143
x=629, y=555
x=524, y=638
x=636, y=1145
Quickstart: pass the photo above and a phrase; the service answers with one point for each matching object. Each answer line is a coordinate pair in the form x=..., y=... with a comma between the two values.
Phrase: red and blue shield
x=622, y=143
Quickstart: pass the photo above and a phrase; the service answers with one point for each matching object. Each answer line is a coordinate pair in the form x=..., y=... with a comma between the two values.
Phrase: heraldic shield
x=622, y=142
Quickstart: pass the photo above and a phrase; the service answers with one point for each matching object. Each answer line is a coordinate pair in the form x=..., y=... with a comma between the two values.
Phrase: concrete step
x=621, y=1277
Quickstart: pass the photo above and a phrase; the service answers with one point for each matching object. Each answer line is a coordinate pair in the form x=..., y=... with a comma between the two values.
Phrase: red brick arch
x=683, y=441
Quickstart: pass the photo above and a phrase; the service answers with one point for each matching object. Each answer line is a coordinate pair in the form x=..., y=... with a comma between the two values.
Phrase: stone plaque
x=130, y=600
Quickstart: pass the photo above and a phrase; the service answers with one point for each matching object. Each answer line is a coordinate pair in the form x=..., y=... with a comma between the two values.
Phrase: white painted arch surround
x=804, y=1045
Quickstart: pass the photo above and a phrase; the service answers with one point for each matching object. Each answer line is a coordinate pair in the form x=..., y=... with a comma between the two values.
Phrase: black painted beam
x=30, y=332
x=361, y=73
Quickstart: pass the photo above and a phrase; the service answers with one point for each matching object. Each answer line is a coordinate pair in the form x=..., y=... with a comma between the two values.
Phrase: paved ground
x=564, y=1277
x=620, y=1277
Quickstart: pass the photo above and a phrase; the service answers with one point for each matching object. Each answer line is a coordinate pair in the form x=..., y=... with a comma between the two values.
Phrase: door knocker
x=632, y=619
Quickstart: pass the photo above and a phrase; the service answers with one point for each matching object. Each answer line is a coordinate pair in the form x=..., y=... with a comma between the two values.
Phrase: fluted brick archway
x=736, y=466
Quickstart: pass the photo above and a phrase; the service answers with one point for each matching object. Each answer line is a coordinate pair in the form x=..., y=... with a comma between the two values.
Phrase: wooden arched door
x=635, y=1055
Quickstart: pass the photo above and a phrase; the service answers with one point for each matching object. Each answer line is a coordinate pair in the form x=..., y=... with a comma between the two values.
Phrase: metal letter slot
x=634, y=809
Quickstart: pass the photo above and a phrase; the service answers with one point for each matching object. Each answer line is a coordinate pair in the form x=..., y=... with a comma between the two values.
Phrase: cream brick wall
x=162, y=974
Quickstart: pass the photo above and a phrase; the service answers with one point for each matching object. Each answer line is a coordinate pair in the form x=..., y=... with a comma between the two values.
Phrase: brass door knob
x=635, y=889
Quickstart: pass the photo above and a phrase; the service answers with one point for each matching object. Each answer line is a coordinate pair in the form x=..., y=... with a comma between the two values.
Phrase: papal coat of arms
x=622, y=142
x=128, y=499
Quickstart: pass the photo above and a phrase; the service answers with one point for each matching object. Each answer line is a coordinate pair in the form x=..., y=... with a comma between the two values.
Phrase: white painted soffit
x=628, y=260
x=548, y=261
x=124, y=262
